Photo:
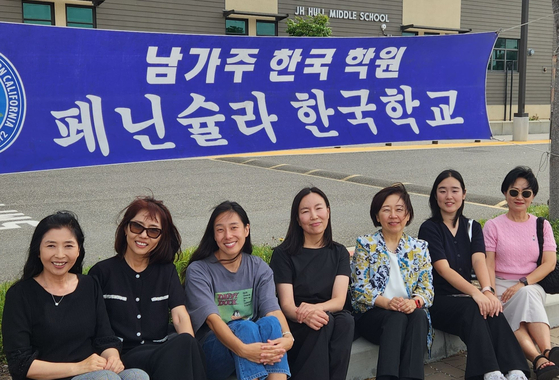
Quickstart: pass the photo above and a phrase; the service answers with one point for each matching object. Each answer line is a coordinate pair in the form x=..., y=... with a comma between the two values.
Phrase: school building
x=378, y=18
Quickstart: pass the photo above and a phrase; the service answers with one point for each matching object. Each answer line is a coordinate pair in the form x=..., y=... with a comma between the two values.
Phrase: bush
x=316, y=26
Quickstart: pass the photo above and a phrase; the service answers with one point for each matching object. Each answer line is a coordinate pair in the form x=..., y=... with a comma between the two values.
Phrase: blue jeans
x=127, y=374
x=222, y=362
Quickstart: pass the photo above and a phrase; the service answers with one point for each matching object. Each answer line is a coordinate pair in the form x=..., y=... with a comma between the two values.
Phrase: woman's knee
x=133, y=374
x=246, y=331
x=269, y=328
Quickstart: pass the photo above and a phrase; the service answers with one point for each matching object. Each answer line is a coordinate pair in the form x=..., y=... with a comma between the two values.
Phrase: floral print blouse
x=370, y=268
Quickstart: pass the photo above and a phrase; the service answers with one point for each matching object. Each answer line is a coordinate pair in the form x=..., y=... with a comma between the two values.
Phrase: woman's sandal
x=553, y=354
x=545, y=371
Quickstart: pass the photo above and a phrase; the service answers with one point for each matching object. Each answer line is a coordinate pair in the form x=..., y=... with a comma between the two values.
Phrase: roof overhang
x=423, y=27
x=276, y=16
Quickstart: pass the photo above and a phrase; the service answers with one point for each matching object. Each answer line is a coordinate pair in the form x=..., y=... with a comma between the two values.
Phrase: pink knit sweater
x=516, y=245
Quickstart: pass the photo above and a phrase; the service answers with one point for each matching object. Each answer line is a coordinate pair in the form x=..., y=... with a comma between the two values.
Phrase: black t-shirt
x=458, y=250
x=312, y=272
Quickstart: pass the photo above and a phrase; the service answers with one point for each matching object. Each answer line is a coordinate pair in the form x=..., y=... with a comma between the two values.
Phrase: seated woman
x=232, y=300
x=140, y=286
x=512, y=255
x=459, y=307
x=312, y=272
x=55, y=324
x=392, y=286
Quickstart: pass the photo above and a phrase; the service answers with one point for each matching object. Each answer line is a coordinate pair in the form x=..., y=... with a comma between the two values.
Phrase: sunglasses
x=525, y=193
x=137, y=228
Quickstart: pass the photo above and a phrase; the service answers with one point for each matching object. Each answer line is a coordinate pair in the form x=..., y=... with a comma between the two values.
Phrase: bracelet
x=288, y=333
x=417, y=303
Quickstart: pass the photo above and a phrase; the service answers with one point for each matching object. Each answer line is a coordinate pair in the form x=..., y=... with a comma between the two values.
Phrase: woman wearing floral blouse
x=392, y=285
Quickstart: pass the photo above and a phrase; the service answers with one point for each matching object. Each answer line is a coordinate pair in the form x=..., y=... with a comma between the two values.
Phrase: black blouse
x=458, y=250
x=138, y=304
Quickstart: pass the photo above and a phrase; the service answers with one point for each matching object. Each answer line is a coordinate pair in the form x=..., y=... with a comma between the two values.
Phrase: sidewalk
x=453, y=367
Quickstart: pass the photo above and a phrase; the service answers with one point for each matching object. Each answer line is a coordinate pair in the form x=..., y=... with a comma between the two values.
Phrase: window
x=405, y=34
x=504, y=55
x=236, y=27
x=80, y=16
x=266, y=28
x=38, y=13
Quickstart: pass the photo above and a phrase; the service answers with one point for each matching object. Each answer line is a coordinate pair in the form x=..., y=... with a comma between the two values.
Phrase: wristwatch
x=488, y=288
x=523, y=280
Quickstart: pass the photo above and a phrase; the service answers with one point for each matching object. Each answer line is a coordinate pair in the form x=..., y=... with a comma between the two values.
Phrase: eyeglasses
x=525, y=193
x=137, y=228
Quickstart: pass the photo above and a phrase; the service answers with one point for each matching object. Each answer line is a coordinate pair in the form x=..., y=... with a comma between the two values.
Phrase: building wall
x=483, y=16
x=10, y=10
x=350, y=27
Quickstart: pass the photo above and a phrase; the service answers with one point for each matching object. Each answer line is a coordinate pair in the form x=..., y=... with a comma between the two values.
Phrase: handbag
x=549, y=283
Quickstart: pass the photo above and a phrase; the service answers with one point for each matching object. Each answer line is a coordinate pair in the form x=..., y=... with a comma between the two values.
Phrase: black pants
x=313, y=349
x=492, y=346
x=402, y=340
x=180, y=358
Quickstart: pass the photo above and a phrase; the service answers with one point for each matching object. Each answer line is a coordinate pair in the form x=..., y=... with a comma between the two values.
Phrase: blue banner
x=75, y=97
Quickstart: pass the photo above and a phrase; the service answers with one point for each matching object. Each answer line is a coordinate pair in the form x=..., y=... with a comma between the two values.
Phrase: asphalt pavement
x=264, y=184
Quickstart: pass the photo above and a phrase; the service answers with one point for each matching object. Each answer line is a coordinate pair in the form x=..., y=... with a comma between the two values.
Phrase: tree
x=316, y=26
x=554, y=132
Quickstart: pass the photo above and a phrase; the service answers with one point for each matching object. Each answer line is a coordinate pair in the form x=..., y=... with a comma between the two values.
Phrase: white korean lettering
x=241, y=55
x=89, y=125
x=160, y=74
x=204, y=57
x=395, y=110
x=267, y=119
x=156, y=121
x=358, y=110
x=443, y=113
x=317, y=65
x=308, y=116
x=358, y=61
x=283, y=59
x=389, y=62
x=207, y=135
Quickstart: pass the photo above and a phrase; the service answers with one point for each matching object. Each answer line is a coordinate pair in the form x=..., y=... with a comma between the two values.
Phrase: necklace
x=57, y=303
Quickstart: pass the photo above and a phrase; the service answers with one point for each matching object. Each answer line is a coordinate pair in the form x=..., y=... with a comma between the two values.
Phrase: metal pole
x=511, y=87
x=506, y=90
x=522, y=60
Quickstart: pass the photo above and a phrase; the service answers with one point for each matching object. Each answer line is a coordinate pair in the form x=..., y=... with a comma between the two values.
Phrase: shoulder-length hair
x=380, y=197
x=295, y=237
x=434, y=204
x=208, y=245
x=61, y=219
x=169, y=245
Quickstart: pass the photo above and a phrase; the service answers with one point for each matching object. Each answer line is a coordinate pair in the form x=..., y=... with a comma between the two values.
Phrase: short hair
x=434, y=205
x=520, y=172
x=295, y=237
x=380, y=198
x=208, y=245
x=61, y=219
x=169, y=244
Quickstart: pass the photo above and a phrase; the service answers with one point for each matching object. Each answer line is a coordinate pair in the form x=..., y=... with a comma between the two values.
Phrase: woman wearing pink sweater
x=512, y=253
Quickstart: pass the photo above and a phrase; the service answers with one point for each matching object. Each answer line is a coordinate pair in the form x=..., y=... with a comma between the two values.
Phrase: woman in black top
x=140, y=286
x=459, y=307
x=55, y=325
x=312, y=272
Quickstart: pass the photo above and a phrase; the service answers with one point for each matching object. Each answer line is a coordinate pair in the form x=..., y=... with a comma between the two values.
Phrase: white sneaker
x=516, y=375
x=496, y=375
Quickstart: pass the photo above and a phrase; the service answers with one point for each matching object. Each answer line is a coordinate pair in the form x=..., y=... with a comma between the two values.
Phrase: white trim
x=162, y=298
x=114, y=297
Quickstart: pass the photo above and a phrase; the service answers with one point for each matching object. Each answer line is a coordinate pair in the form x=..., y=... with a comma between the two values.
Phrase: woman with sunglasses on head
x=460, y=308
x=231, y=297
x=55, y=325
x=311, y=273
x=392, y=287
x=140, y=286
x=512, y=255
